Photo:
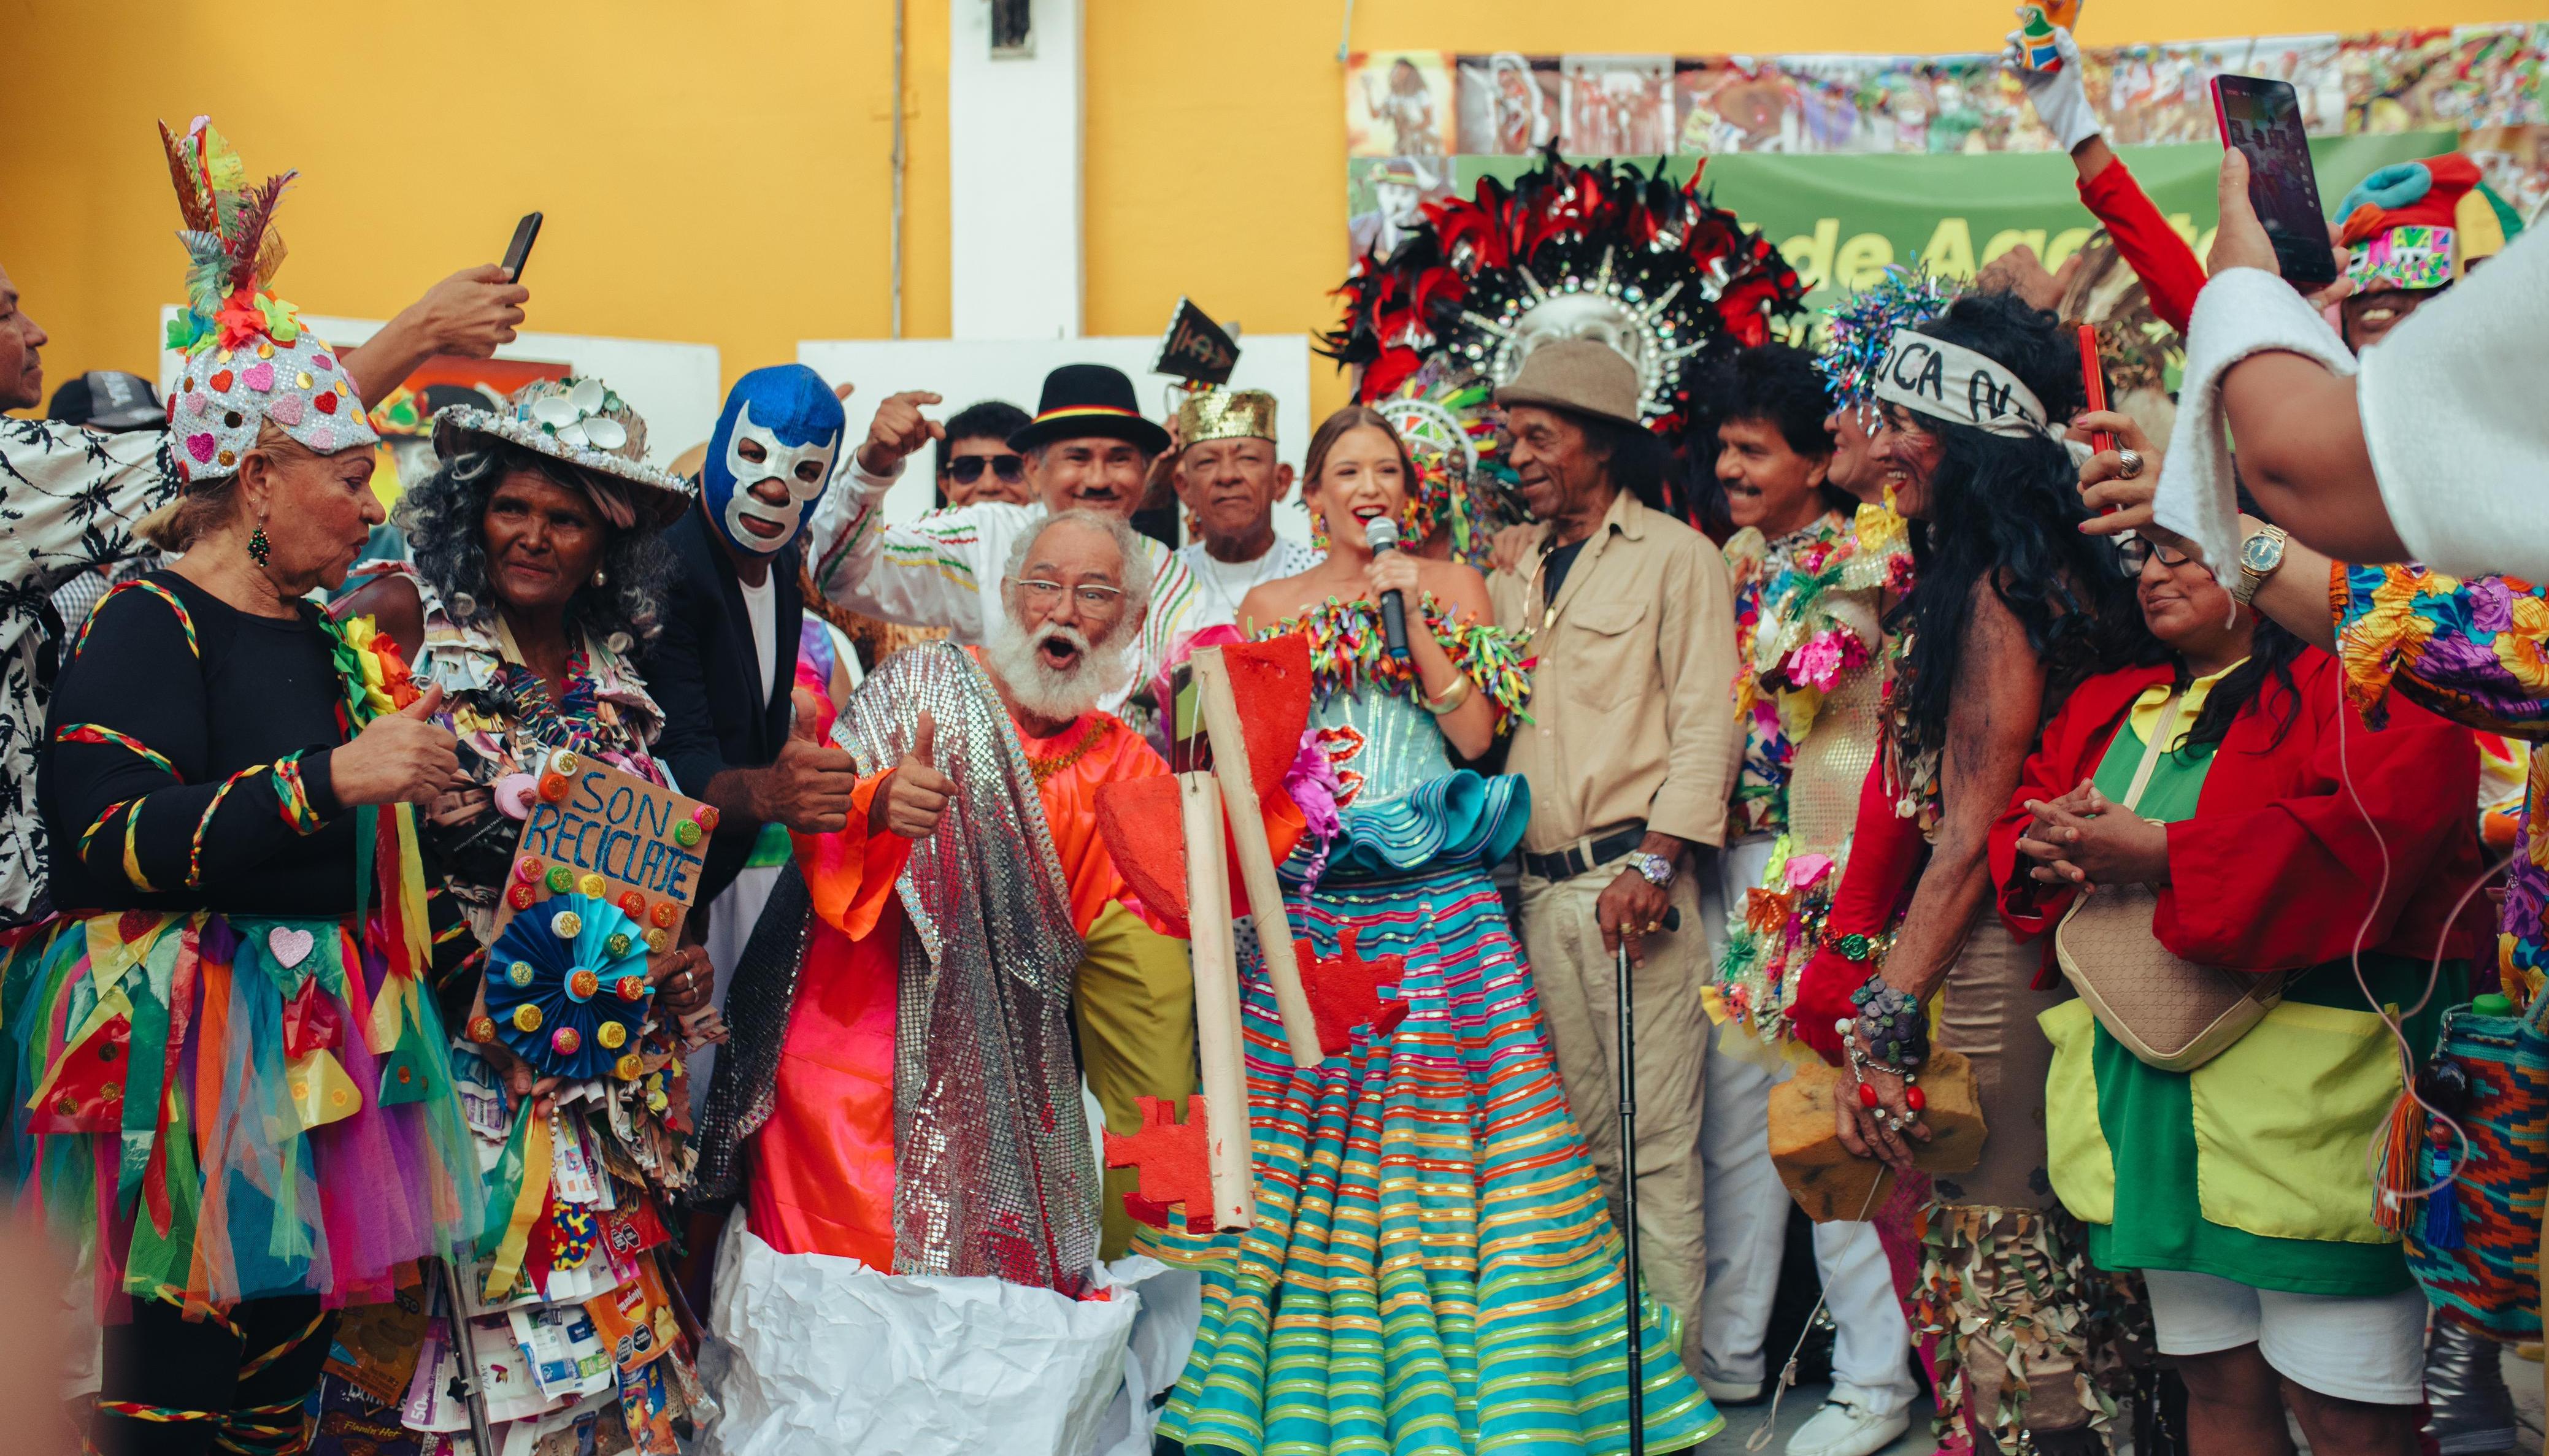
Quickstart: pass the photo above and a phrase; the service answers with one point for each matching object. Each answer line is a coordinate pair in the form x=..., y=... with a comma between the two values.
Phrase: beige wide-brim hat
x=1583, y=375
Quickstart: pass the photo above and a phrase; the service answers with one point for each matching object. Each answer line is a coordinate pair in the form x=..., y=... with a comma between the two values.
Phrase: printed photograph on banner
x=2513, y=162
x=1617, y=105
x=1386, y=199
x=1724, y=103
x=1510, y=103
x=1398, y=103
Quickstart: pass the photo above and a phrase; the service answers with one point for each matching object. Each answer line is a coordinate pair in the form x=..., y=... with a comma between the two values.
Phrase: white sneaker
x=1842, y=1429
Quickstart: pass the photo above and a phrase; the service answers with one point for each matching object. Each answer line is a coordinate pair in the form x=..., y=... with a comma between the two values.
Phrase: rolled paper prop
x=1232, y=755
x=1216, y=997
x=562, y=984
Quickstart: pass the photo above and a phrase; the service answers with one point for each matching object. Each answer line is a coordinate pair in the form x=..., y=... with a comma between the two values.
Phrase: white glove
x=2060, y=99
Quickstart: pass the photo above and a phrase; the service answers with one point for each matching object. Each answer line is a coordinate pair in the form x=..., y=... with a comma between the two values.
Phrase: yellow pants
x=1133, y=1006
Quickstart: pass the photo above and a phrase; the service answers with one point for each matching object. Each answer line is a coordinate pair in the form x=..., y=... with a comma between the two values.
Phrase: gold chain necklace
x=1046, y=768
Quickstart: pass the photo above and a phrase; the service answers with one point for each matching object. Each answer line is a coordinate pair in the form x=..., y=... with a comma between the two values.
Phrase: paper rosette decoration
x=566, y=986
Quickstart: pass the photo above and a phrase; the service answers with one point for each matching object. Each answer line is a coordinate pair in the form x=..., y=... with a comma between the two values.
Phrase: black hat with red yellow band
x=1084, y=401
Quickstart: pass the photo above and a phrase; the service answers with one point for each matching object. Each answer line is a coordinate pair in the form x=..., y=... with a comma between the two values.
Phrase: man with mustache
x=1088, y=448
x=825, y=1164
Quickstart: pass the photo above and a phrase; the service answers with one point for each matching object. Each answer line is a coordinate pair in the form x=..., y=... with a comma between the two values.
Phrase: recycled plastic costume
x=229, y=1086
x=575, y=1271
x=1430, y=1265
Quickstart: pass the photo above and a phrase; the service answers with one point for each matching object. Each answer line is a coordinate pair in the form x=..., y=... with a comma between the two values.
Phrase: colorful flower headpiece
x=248, y=359
x=1862, y=329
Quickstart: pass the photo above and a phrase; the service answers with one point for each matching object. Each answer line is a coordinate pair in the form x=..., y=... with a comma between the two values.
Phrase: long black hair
x=2006, y=511
x=2271, y=655
x=445, y=515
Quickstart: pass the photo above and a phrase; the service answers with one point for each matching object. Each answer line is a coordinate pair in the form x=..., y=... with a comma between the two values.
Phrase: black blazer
x=706, y=674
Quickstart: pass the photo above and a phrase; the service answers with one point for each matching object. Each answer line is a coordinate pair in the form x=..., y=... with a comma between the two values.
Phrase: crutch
x=464, y=1344
x=1629, y=1188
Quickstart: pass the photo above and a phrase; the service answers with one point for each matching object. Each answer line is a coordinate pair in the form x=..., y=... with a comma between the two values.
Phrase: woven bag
x=2173, y=1014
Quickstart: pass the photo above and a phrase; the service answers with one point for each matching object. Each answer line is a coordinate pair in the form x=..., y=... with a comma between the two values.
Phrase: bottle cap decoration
x=630, y=1067
x=611, y=838
x=482, y=1029
x=520, y=972
x=584, y=1000
x=657, y=941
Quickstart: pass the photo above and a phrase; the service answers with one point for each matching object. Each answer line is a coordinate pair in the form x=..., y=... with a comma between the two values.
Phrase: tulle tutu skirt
x=1433, y=1268
x=213, y=1108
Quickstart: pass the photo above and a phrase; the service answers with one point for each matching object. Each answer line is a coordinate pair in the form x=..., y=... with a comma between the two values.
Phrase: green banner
x=1842, y=219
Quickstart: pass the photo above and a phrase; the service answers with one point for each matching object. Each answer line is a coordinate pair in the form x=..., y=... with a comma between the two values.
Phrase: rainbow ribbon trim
x=100, y=733
x=1348, y=645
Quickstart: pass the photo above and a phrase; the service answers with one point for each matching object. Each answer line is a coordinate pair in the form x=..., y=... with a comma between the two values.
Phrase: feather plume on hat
x=248, y=361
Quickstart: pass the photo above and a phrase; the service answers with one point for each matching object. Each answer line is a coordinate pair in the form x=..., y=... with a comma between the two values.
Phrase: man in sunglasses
x=975, y=461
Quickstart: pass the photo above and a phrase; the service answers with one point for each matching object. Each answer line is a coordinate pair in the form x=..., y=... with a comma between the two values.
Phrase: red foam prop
x=1174, y=1160
x=1345, y=989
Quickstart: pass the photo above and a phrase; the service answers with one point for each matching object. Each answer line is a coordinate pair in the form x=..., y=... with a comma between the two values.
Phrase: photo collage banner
x=1940, y=156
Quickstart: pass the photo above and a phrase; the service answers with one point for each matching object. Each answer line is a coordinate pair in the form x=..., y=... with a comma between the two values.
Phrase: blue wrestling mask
x=781, y=425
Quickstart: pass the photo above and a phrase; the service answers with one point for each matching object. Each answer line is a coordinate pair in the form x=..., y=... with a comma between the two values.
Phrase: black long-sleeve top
x=158, y=784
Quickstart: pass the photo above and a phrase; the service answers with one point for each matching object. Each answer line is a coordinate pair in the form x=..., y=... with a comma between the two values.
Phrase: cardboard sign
x=1197, y=348
x=600, y=831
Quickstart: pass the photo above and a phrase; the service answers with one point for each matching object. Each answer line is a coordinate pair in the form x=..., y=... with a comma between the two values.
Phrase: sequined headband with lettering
x=1950, y=382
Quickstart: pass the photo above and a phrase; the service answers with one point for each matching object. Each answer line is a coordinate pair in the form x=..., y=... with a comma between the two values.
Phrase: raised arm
x=472, y=314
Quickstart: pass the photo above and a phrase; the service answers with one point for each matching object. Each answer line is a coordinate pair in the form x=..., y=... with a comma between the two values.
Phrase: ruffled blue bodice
x=1408, y=809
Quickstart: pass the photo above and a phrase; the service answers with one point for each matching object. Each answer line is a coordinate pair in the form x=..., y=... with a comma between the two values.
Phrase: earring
x=258, y=547
x=597, y=577
x=1318, y=531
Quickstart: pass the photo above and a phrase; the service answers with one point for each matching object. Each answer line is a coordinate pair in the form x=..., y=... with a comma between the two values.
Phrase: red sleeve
x=2161, y=258
x=1886, y=854
x=2258, y=888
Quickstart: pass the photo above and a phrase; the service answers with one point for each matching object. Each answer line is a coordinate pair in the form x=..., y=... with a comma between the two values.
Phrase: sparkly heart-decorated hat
x=248, y=359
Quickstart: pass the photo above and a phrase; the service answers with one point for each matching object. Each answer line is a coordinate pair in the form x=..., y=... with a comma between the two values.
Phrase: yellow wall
x=719, y=172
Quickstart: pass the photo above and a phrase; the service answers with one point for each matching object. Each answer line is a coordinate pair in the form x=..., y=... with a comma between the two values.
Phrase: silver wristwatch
x=1657, y=870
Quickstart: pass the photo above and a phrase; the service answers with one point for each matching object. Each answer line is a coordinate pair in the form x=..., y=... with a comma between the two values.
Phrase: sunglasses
x=2133, y=552
x=967, y=469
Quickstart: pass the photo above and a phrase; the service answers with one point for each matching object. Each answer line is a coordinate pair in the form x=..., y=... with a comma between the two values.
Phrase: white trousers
x=1748, y=1220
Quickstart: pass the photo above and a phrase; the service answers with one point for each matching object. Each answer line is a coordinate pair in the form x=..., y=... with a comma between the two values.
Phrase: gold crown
x=1226, y=415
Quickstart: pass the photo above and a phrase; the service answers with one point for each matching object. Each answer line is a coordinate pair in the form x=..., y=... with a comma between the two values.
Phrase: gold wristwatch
x=2260, y=557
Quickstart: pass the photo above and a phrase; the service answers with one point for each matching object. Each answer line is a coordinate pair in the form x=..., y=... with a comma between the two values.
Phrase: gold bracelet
x=1452, y=699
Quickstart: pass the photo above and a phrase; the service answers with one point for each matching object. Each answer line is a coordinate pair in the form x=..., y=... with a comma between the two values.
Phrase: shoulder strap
x=2153, y=751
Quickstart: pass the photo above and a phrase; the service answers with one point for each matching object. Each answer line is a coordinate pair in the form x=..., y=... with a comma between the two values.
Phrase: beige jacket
x=1632, y=699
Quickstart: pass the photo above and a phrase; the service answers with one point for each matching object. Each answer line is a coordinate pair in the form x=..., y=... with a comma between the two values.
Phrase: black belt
x=1574, y=859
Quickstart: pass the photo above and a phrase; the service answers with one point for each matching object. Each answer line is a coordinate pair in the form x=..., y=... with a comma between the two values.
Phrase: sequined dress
x=1432, y=1269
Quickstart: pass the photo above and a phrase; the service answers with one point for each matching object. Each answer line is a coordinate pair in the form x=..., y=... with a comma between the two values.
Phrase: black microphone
x=1381, y=534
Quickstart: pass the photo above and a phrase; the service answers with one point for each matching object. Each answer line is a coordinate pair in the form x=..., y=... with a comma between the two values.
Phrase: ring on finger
x=2129, y=463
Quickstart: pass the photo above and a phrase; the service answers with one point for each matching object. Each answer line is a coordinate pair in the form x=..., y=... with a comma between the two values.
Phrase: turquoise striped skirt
x=1433, y=1268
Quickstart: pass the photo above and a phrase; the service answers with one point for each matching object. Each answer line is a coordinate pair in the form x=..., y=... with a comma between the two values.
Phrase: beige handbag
x=2173, y=1014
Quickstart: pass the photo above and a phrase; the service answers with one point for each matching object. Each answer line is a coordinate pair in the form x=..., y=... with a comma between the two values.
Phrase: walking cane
x=464, y=1341
x=1629, y=1187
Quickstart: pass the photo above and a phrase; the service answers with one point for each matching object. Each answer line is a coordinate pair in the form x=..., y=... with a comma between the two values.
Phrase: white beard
x=1040, y=689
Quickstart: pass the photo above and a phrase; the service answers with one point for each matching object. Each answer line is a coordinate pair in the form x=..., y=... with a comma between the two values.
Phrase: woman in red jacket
x=2281, y=836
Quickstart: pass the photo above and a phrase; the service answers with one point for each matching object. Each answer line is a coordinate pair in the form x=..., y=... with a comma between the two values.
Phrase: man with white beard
x=1005, y=745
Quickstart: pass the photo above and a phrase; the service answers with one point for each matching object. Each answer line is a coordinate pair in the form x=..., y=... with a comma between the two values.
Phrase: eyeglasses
x=964, y=469
x=1093, y=599
x=2133, y=552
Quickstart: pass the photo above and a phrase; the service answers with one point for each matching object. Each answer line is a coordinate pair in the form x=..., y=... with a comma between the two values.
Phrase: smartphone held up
x=2262, y=120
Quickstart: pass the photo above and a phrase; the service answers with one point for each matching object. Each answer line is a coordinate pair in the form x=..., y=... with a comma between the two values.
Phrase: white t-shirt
x=1220, y=585
x=761, y=603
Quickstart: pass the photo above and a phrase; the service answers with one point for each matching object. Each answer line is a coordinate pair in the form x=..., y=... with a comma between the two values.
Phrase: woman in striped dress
x=1432, y=1269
